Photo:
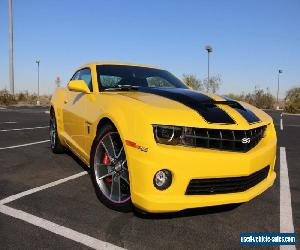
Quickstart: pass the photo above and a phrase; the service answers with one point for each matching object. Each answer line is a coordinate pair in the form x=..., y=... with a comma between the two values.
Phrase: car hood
x=211, y=108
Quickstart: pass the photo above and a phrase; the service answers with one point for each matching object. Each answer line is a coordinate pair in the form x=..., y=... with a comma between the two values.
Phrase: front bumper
x=195, y=163
x=159, y=203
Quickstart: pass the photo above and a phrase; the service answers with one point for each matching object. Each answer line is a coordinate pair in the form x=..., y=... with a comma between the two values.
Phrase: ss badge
x=246, y=140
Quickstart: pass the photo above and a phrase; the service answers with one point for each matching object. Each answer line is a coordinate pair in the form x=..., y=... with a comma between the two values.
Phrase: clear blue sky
x=251, y=39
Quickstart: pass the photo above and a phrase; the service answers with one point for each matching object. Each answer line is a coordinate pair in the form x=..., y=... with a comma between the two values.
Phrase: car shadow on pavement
x=187, y=213
x=78, y=161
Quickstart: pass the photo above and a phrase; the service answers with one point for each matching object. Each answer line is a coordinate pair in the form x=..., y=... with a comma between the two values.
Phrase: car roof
x=116, y=63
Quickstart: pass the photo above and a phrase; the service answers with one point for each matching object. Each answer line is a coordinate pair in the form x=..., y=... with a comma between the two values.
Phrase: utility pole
x=278, y=78
x=11, y=48
x=38, y=81
x=209, y=49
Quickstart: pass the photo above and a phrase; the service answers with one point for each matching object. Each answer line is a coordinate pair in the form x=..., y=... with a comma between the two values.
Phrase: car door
x=74, y=111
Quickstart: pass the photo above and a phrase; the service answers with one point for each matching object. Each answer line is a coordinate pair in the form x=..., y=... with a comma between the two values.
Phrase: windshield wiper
x=123, y=87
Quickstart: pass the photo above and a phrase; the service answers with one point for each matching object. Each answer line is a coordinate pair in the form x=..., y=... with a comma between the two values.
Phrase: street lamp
x=11, y=48
x=38, y=80
x=278, y=77
x=209, y=49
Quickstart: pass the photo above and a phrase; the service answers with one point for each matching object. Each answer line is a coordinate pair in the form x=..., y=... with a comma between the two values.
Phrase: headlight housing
x=173, y=135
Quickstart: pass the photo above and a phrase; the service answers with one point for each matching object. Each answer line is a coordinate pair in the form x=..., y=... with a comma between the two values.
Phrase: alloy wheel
x=111, y=171
x=52, y=132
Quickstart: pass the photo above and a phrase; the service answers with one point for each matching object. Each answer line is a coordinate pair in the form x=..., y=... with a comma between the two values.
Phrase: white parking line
x=51, y=226
x=286, y=214
x=292, y=125
x=37, y=189
x=8, y=122
x=281, y=124
x=291, y=114
x=25, y=111
x=24, y=145
x=57, y=229
x=20, y=129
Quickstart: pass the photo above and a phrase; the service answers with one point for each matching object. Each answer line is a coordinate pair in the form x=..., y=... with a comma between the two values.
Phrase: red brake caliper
x=106, y=161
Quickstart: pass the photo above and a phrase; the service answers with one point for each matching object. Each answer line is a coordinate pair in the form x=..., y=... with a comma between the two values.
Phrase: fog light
x=162, y=179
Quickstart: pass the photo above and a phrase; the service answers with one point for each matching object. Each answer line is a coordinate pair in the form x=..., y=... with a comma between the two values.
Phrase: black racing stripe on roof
x=197, y=101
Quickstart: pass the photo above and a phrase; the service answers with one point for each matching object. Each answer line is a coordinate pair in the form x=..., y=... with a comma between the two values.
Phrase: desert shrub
x=292, y=101
x=26, y=98
x=32, y=99
x=6, y=98
x=236, y=97
x=192, y=81
x=22, y=98
x=213, y=85
x=45, y=100
x=259, y=98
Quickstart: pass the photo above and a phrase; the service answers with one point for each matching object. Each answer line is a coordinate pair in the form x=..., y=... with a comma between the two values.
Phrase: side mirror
x=78, y=86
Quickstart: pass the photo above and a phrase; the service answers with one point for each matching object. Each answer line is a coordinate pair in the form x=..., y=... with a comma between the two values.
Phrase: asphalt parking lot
x=67, y=214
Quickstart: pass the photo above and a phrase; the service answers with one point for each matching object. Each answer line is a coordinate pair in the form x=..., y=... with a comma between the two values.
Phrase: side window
x=75, y=76
x=109, y=81
x=156, y=81
x=85, y=74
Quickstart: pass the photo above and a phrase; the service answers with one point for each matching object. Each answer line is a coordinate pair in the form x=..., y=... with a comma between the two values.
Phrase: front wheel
x=109, y=169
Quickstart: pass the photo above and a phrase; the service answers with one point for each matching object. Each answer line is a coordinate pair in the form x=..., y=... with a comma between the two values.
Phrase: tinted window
x=108, y=81
x=158, y=82
x=76, y=75
x=110, y=76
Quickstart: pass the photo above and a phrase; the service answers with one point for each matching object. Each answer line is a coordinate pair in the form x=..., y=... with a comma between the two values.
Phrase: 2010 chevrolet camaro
x=152, y=142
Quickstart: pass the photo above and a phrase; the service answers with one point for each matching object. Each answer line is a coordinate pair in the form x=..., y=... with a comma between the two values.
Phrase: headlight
x=173, y=135
x=167, y=134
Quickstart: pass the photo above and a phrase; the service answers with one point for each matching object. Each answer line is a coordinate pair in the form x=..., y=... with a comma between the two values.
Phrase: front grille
x=226, y=185
x=224, y=139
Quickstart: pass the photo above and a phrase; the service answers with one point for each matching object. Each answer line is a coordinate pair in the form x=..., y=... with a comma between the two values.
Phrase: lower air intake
x=226, y=185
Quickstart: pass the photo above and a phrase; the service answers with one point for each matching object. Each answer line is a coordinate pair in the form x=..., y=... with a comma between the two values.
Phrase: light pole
x=278, y=77
x=11, y=48
x=209, y=49
x=38, y=80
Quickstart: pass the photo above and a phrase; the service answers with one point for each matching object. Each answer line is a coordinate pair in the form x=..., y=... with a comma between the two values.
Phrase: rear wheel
x=55, y=143
x=109, y=169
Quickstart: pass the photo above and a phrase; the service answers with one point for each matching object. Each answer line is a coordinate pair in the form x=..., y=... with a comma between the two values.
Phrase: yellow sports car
x=154, y=144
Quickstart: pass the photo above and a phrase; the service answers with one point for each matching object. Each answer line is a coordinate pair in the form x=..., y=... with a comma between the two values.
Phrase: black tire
x=55, y=143
x=109, y=171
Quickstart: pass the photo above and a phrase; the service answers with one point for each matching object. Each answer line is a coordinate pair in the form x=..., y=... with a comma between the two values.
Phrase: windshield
x=112, y=76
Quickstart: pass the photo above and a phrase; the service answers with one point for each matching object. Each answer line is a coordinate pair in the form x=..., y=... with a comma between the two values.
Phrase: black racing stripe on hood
x=199, y=102
x=246, y=113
